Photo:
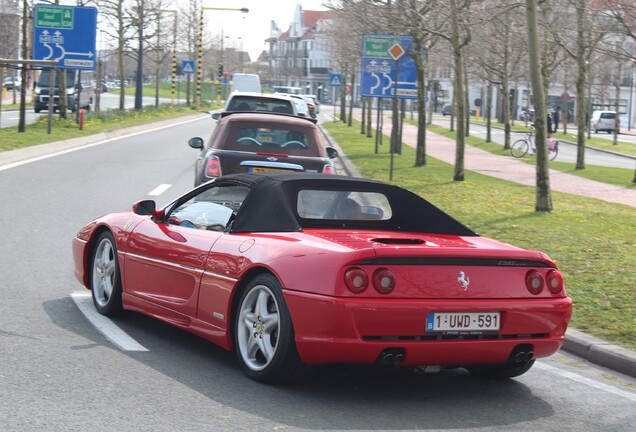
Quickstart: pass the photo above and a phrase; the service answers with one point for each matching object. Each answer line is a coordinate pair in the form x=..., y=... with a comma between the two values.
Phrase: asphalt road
x=59, y=373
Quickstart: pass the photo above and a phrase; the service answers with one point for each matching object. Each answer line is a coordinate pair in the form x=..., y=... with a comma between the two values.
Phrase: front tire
x=519, y=148
x=264, y=334
x=105, y=276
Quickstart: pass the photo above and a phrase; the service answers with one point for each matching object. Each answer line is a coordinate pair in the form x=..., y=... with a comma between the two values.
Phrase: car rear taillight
x=534, y=282
x=383, y=281
x=328, y=169
x=356, y=280
x=213, y=168
x=555, y=281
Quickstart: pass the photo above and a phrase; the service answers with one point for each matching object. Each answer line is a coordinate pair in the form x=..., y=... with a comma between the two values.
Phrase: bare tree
x=543, y=196
x=586, y=40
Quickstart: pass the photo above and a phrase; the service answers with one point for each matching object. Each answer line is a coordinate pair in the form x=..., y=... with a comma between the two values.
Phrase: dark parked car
x=447, y=110
x=260, y=142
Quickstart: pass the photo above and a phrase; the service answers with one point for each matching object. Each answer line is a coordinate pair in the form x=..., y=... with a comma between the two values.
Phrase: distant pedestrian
x=549, y=125
x=557, y=117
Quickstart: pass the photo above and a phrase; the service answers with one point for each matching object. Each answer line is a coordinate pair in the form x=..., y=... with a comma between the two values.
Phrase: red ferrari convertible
x=290, y=270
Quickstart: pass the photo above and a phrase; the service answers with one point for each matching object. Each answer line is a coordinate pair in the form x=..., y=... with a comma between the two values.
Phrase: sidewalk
x=591, y=349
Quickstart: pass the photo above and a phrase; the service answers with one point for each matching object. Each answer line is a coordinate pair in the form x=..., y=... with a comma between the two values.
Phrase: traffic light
x=220, y=74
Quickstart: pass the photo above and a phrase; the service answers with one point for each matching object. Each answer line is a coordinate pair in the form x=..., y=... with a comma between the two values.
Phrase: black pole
x=140, y=61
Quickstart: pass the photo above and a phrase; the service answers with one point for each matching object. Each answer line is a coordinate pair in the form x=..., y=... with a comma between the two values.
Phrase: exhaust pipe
x=521, y=354
x=391, y=356
x=386, y=358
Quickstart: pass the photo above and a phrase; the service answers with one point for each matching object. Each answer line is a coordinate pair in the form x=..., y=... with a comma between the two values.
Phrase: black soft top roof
x=270, y=205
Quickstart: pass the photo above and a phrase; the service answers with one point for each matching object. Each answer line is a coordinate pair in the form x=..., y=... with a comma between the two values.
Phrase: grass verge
x=95, y=122
x=593, y=242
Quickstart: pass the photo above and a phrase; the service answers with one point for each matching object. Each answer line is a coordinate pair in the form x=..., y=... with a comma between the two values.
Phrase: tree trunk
x=617, y=85
x=489, y=112
x=420, y=71
x=352, y=96
x=459, y=93
x=581, y=104
x=543, y=197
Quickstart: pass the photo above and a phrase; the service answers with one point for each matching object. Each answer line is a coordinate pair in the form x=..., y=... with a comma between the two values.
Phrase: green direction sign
x=54, y=17
x=378, y=46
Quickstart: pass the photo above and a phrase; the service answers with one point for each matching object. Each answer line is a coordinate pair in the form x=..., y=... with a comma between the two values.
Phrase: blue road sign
x=187, y=66
x=335, y=80
x=66, y=34
x=379, y=67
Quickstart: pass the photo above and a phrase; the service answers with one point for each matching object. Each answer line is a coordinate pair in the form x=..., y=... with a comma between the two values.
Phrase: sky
x=248, y=31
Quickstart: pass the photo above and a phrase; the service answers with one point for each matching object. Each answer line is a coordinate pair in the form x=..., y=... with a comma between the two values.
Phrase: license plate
x=262, y=169
x=463, y=323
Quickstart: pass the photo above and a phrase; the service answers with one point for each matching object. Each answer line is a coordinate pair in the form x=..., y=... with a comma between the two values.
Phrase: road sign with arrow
x=66, y=34
x=382, y=57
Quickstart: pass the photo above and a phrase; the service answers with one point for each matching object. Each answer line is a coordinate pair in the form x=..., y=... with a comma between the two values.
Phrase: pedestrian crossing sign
x=335, y=80
x=187, y=66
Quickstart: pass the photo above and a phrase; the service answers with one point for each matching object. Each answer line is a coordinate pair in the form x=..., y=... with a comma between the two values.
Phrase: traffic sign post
x=387, y=69
x=66, y=34
x=335, y=80
x=187, y=67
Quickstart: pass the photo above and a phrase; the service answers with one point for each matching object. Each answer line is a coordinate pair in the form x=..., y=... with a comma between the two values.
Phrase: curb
x=599, y=352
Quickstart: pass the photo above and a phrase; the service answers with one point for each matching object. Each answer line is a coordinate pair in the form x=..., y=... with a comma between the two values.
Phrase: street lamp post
x=199, y=74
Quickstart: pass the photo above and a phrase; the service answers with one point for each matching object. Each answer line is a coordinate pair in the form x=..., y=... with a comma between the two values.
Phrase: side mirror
x=332, y=152
x=144, y=207
x=196, y=143
x=216, y=116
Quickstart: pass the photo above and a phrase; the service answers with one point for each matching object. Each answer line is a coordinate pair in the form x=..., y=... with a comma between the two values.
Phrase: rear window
x=608, y=115
x=342, y=205
x=299, y=142
x=265, y=104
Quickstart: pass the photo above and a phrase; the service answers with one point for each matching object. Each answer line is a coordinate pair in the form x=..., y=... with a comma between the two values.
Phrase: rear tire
x=264, y=335
x=519, y=148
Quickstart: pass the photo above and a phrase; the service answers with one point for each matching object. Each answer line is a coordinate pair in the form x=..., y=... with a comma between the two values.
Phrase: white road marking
x=587, y=381
x=84, y=303
x=159, y=189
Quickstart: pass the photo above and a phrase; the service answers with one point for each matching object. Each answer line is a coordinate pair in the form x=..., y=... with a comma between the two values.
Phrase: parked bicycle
x=526, y=145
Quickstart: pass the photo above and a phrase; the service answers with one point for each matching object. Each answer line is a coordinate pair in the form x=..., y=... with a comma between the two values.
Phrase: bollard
x=81, y=118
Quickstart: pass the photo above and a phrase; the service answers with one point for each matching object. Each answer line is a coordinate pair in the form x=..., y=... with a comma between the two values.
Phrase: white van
x=78, y=94
x=604, y=121
x=246, y=83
